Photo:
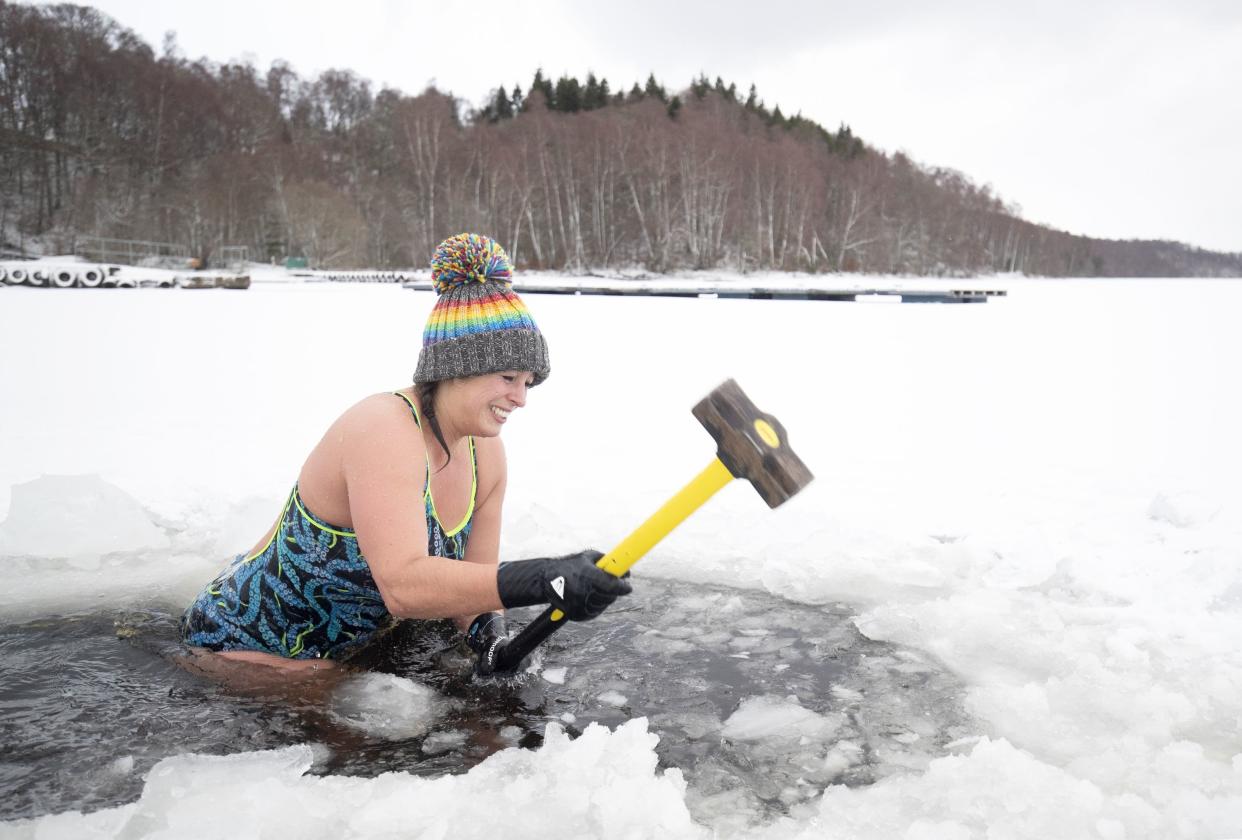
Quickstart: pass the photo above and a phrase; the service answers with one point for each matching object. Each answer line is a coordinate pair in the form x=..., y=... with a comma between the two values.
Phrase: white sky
x=1109, y=118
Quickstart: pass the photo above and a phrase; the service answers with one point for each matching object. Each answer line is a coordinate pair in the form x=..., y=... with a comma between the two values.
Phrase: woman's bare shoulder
x=382, y=419
x=365, y=440
x=385, y=405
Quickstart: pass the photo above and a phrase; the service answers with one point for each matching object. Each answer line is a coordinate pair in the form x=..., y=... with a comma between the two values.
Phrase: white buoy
x=37, y=277
x=4, y=274
x=62, y=278
x=90, y=277
x=17, y=276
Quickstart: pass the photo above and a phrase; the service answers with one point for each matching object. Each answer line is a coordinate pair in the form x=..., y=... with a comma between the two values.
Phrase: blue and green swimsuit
x=309, y=593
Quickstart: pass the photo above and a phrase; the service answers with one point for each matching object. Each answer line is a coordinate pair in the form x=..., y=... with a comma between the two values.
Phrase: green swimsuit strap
x=474, y=473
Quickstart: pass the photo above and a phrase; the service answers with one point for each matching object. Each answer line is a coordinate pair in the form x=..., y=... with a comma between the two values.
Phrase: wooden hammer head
x=751, y=444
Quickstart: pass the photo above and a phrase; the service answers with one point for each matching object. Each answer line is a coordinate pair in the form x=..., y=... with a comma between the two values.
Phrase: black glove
x=572, y=584
x=487, y=637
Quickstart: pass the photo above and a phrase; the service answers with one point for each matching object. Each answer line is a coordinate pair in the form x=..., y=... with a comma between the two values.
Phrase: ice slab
x=76, y=516
x=767, y=718
x=387, y=706
x=1182, y=509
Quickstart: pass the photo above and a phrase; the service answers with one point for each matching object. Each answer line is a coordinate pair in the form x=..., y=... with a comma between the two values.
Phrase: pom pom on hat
x=469, y=257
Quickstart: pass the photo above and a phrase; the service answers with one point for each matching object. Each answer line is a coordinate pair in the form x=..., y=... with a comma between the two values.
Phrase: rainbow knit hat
x=478, y=324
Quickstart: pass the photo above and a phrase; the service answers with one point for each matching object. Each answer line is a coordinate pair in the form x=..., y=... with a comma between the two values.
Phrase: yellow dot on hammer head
x=767, y=434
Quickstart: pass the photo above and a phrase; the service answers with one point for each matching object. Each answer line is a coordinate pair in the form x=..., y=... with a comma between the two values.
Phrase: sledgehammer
x=750, y=445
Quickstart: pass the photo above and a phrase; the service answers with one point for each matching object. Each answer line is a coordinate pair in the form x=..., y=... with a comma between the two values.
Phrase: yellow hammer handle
x=689, y=499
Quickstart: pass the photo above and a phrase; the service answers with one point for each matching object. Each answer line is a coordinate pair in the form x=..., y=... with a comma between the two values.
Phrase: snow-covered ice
x=269, y=793
x=1038, y=494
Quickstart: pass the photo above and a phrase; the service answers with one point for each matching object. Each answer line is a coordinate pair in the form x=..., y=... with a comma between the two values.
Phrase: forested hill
x=101, y=135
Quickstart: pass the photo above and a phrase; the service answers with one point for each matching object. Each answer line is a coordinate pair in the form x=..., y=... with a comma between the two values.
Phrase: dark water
x=89, y=703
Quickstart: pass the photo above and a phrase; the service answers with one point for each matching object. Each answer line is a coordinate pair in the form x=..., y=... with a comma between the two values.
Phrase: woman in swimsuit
x=396, y=512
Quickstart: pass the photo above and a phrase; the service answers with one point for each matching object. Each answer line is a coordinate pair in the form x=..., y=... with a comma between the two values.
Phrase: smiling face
x=480, y=405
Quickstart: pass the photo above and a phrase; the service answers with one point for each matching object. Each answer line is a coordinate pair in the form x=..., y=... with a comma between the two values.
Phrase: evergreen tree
x=700, y=86
x=655, y=89
x=674, y=107
x=594, y=95
x=636, y=93
x=590, y=92
x=500, y=108
x=544, y=86
x=843, y=142
x=840, y=142
x=516, y=101
x=752, y=100
x=568, y=95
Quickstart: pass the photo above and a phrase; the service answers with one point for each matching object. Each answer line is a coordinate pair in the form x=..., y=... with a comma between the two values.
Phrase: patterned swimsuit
x=309, y=592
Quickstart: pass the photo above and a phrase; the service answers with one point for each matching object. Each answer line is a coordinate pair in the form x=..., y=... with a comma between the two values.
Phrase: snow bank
x=996, y=791
x=585, y=787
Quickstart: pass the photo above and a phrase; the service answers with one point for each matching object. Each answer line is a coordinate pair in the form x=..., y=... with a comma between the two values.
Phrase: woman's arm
x=381, y=461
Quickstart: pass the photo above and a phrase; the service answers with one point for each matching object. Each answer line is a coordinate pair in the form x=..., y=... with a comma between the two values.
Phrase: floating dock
x=704, y=290
x=353, y=276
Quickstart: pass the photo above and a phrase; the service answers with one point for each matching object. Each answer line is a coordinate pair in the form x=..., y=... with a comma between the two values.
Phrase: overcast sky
x=1112, y=118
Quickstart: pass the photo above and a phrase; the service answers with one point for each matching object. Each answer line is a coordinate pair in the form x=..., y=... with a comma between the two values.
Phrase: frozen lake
x=1028, y=508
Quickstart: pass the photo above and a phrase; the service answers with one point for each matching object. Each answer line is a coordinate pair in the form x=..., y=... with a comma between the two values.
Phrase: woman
x=396, y=512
